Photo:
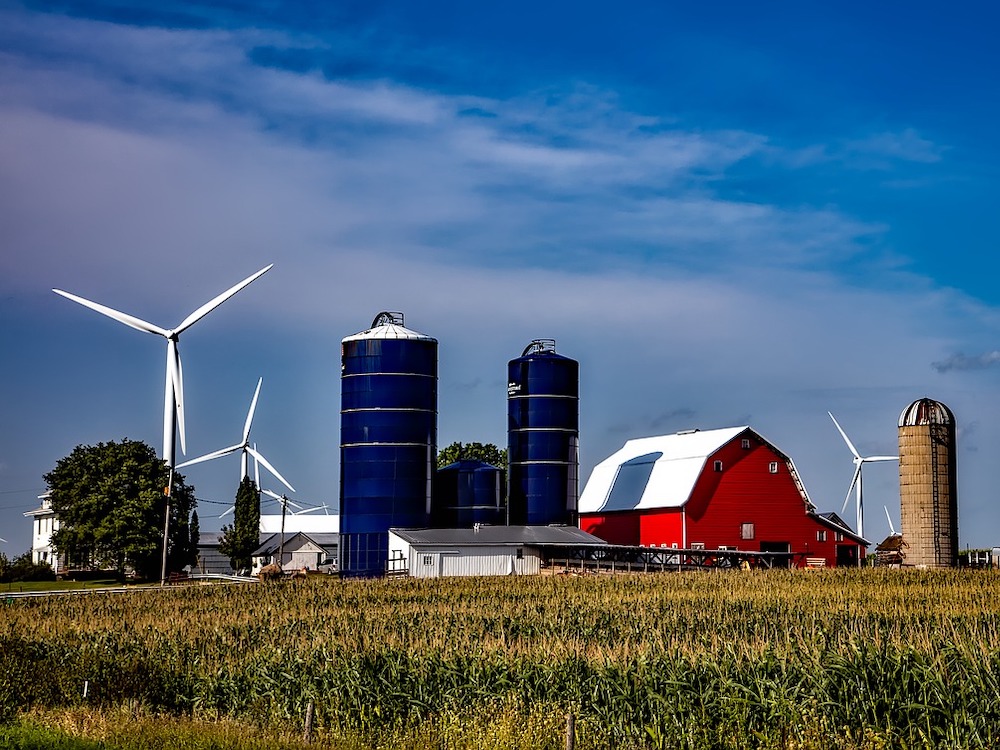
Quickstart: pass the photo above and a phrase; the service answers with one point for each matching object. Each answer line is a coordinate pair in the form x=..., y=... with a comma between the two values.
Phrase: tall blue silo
x=467, y=493
x=543, y=436
x=388, y=439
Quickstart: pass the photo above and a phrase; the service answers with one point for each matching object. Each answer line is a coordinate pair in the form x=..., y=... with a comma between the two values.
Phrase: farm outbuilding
x=482, y=550
x=298, y=551
x=713, y=489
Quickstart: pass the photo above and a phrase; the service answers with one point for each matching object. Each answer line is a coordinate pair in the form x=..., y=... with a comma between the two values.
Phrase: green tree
x=111, y=501
x=487, y=452
x=241, y=538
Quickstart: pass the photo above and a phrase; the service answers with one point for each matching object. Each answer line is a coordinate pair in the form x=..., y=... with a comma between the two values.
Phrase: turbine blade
x=205, y=309
x=256, y=470
x=892, y=529
x=178, y=384
x=130, y=320
x=854, y=481
x=272, y=493
x=229, y=510
x=844, y=435
x=870, y=459
x=253, y=407
x=211, y=456
x=256, y=454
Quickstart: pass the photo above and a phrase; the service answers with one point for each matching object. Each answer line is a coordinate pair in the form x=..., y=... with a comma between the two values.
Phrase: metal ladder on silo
x=937, y=439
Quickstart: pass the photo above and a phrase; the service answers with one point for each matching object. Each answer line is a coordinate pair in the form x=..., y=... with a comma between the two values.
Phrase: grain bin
x=927, y=484
x=543, y=416
x=467, y=493
x=388, y=438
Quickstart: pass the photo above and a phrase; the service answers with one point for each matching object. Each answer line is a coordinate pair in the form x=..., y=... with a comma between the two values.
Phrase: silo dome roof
x=389, y=325
x=926, y=411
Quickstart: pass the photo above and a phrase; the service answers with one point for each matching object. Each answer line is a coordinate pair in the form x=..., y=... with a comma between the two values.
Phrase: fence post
x=307, y=732
x=570, y=731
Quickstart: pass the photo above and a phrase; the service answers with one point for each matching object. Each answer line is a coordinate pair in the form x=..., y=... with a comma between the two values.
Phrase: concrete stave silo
x=388, y=440
x=543, y=436
x=928, y=484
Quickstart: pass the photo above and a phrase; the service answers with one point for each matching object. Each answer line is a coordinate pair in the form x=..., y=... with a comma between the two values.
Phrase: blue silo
x=468, y=492
x=543, y=436
x=388, y=439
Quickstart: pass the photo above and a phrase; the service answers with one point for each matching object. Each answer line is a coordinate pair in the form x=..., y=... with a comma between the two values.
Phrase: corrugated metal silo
x=543, y=436
x=388, y=438
x=466, y=493
x=927, y=484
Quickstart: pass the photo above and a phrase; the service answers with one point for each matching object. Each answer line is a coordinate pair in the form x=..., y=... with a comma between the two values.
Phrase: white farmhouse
x=44, y=523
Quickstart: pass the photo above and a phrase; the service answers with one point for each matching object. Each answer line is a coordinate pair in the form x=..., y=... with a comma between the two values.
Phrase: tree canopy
x=240, y=539
x=487, y=452
x=110, y=501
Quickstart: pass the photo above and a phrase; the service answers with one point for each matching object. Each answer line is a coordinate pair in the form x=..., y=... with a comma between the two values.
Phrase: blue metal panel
x=466, y=493
x=543, y=436
x=388, y=439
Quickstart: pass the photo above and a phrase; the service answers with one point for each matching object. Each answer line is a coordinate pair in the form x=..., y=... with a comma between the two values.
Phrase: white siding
x=432, y=562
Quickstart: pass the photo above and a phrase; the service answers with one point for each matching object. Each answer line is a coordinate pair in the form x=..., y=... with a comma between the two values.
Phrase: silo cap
x=925, y=411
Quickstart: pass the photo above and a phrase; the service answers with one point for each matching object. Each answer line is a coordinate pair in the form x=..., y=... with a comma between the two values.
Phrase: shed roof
x=514, y=536
x=271, y=544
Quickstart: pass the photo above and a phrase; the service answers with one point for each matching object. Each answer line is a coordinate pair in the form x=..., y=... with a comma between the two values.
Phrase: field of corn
x=777, y=659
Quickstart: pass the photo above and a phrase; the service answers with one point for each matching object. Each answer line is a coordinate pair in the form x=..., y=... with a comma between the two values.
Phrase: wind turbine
x=245, y=448
x=859, y=461
x=892, y=529
x=173, y=392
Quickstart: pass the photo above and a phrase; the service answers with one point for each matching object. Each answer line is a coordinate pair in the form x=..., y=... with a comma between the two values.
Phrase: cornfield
x=776, y=659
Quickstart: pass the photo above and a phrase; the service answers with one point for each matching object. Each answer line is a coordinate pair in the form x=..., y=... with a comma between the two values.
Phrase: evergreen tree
x=194, y=537
x=241, y=538
x=111, y=502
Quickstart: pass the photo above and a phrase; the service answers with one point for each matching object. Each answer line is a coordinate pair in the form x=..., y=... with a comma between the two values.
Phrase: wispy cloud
x=960, y=362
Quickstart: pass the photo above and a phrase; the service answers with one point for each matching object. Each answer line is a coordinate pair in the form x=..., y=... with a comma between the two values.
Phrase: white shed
x=480, y=551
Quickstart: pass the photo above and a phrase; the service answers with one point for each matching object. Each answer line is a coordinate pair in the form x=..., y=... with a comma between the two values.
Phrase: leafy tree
x=241, y=538
x=487, y=452
x=110, y=500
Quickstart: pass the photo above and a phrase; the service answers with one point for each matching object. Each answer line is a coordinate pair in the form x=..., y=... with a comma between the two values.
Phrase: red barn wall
x=744, y=491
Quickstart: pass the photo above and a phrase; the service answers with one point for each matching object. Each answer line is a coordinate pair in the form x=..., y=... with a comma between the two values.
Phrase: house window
x=746, y=531
x=773, y=467
x=428, y=559
x=746, y=443
x=821, y=536
x=839, y=537
x=697, y=545
x=718, y=465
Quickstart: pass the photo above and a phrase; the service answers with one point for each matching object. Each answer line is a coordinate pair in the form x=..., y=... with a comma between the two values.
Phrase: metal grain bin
x=467, y=493
x=543, y=436
x=388, y=439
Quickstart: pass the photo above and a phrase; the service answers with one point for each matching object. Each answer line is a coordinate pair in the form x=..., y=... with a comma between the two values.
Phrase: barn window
x=428, y=559
x=746, y=531
x=697, y=545
x=839, y=537
x=520, y=553
x=773, y=467
x=746, y=443
x=821, y=536
x=718, y=465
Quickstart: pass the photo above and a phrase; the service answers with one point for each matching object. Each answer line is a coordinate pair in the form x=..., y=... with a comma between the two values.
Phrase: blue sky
x=730, y=214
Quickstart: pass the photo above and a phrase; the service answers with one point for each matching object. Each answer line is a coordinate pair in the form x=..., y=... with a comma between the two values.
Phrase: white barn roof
x=666, y=468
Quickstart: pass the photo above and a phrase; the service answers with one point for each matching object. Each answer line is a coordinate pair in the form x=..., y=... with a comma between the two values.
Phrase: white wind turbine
x=859, y=461
x=892, y=529
x=173, y=392
x=245, y=448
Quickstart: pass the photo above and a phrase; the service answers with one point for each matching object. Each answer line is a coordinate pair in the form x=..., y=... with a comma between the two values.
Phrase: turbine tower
x=859, y=461
x=173, y=392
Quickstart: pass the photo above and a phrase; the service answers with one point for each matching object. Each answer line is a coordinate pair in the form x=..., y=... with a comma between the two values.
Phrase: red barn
x=727, y=488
